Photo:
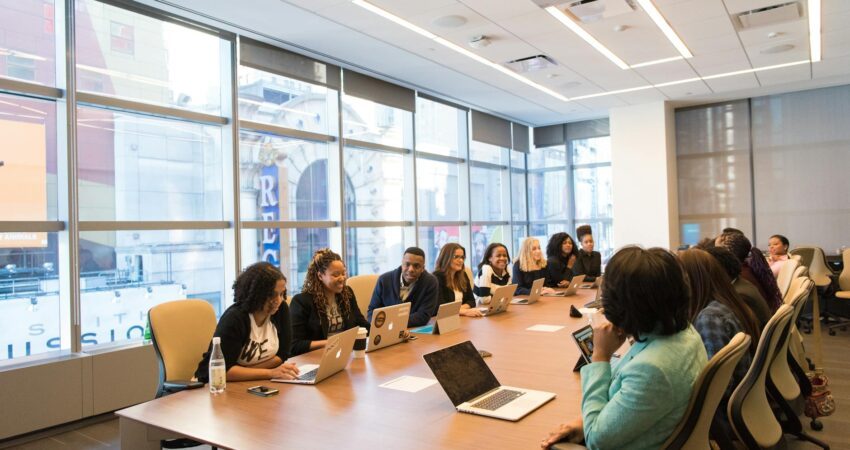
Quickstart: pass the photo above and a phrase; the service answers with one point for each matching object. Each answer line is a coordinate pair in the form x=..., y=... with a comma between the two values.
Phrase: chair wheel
x=816, y=425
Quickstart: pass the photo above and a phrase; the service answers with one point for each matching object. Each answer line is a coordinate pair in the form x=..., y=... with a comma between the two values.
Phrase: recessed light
x=814, y=30
x=776, y=49
x=452, y=21
x=552, y=75
x=620, y=28
x=774, y=34
x=665, y=27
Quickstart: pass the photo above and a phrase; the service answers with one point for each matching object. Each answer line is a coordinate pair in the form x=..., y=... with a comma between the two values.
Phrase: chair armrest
x=180, y=385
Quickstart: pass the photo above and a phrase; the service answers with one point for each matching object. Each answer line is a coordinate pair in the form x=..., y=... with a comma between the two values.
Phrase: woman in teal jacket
x=636, y=402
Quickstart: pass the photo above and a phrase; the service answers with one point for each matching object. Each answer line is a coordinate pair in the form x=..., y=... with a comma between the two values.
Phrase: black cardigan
x=446, y=295
x=307, y=326
x=234, y=329
x=524, y=280
x=557, y=271
x=588, y=264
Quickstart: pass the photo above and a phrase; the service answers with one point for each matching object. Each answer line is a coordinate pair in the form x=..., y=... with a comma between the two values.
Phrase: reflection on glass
x=482, y=236
x=440, y=129
x=486, y=193
x=28, y=151
x=130, y=56
x=543, y=231
x=547, y=194
x=291, y=250
x=368, y=121
x=591, y=150
x=593, y=192
x=437, y=185
x=519, y=233
x=548, y=157
x=374, y=185
x=432, y=239
x=286, y=102
x=135, y=167
x=603, y=234
x=283, y=178
x=29, y=294
x=376, y=250
x=479, y=151
x=28, y=41
x=519, y=191
x=125, y=273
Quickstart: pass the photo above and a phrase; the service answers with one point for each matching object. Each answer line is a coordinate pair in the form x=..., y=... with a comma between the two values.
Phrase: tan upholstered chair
x=819, y=271
x=844, y=292
x=181, y=332
x=469, y=274
x=692, y=433
x=749, y=410
x=363, y=286
x=786, y=274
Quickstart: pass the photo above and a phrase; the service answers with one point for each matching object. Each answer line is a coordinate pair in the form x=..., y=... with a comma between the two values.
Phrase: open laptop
x=592, y=284
x=447, y=320
x=472, y=387
x=597, y=301
x=388, y=326
x=499, y=301
x=533, y=296
x=334, y=359
x=572, y=288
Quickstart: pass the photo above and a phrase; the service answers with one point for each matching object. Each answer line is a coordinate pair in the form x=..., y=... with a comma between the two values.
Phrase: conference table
x=350, y=410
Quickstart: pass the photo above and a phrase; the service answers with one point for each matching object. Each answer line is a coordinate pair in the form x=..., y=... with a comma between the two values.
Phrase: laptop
x=533, y=296
x=447, y=320
x=597, y=301
x=388, y=326
x=500, y=300
x=592, y=285
x=334, y=359
x=472, y=387
x=573, y=287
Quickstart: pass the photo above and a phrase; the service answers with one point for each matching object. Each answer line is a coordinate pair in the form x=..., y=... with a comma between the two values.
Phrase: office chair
x=844, y=292
x=815, y=260
x=692, y=433
x=181, y=332
x=786, y=274
x=363, y=286
x=749, y=410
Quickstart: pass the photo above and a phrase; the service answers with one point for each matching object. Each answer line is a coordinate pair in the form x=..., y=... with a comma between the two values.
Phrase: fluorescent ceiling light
x=665, y=27
x=452, y=46
x=575, y=28
x=657, y=61
x=757, y=69
x=814, y=30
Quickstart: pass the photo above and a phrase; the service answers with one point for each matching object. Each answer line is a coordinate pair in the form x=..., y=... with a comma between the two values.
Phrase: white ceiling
x=339, y=31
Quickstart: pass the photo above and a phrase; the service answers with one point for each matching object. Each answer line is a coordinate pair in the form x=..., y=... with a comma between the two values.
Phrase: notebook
x=334, y=359
x=472, y=387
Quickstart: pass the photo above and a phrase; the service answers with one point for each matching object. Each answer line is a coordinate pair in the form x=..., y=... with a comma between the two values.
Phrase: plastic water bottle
x=218, y=371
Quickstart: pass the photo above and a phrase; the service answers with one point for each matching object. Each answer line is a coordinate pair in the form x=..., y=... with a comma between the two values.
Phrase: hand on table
x=285, y=371
x=471, y=312
x=567, y=432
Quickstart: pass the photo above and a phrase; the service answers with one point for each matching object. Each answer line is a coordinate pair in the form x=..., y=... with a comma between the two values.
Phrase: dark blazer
x=446, y=295
x=234, y=329
x=422, y=298
x=588, y=264
x=307, y=326
x=524, y=280
x=752, y=297
x=557, y=271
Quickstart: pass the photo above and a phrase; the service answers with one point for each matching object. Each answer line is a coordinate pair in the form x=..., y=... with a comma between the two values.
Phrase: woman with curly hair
x=325, y=306
x=754, y=267
x=255, y=331
x=561, y=253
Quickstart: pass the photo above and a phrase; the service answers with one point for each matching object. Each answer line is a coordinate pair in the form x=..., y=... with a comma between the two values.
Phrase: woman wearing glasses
x=255, y=331
x=452, y=282
x=325, y=306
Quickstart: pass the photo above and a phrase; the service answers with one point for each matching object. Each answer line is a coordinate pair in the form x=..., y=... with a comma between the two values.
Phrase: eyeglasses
x=458, y=257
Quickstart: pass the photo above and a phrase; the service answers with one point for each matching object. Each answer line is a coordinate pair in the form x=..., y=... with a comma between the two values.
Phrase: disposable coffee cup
x=360, y=343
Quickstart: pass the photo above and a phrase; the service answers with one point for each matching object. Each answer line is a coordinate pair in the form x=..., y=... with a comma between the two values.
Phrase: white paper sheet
x=588, y=310
x=546, y=328
x=409, y=383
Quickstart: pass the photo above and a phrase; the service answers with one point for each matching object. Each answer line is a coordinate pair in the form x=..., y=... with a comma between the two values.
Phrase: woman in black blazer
x=452, y=282
x=589, y=262
x=325, y=306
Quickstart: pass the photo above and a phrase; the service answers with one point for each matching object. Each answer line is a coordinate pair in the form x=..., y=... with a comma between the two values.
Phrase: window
x=376, y=249
x=367, y=121
x=590, y=154
x=440, y=129
x=433, y=238
x=122, y=38
x=374, y=180
x=28, y=41
x=438, y=188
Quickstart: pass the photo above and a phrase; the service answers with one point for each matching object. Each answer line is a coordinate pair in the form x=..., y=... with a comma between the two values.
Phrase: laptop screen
x=462, y=372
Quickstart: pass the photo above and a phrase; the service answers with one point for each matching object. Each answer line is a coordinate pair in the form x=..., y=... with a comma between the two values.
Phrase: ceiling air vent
x=769, y=15
x=531, y=64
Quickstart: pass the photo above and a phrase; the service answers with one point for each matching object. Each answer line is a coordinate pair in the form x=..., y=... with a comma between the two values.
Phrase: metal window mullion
x=31, y=226
x=364, y=145
x=439, y=158
x=288, y=225
x=595, y=165
x=468, y=165
x=284, y=131
x=26, y=89
x=343, y=226
x=494, y=223
x=571, y=213
x=118, y=225
x=136, y=107
x=379, y=223
x=235, y=174
x=415, y=185
x=487, y=165
x=442, y=223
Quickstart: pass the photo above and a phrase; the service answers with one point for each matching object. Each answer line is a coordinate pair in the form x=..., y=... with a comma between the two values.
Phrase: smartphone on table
x=263, y=391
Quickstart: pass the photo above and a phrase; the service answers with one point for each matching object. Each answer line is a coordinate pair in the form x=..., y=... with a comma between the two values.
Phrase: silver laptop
x=533, y=296
x=592, y=284
x=597, y=301
x=500, y=300
x=334, y=359
x=388, y=326
x=477, y=391
x=573, y=287
x=446, y=320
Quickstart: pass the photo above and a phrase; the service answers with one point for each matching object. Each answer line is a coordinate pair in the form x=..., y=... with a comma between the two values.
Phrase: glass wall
x=185, y=170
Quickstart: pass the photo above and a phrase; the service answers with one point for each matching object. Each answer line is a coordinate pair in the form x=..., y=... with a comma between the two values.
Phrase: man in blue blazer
x=408, y=283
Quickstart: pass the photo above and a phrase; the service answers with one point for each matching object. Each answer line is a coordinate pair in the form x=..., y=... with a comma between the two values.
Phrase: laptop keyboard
x=307, y=376
x=497, y=400
x=593, y=304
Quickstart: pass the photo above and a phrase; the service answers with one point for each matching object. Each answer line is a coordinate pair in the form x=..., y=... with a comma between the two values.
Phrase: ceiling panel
x=733, y=83
x=500, y=10
x=691, y=11
x=685, y=90
x=644, y=96
x=666, y=72
x=836, y=44
x=707, y=29
x=403, y=8
x=784, y=75
x=641, y=41
x=831, y=67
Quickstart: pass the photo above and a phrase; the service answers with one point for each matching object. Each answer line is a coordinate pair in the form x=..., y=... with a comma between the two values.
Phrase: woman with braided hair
x=754, y=266
x=325, y=306
x=255, y=332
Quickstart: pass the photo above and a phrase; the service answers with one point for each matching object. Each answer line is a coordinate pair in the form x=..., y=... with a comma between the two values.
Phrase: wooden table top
x=349, y=410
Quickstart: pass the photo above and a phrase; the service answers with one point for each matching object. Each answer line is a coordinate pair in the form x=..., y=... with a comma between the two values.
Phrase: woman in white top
x=492, y=272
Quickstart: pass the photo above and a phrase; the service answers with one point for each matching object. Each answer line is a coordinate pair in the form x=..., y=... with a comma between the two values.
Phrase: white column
x=643, y=160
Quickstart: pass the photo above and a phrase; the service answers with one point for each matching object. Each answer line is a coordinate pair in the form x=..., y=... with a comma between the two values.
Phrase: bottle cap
x=216, y=340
